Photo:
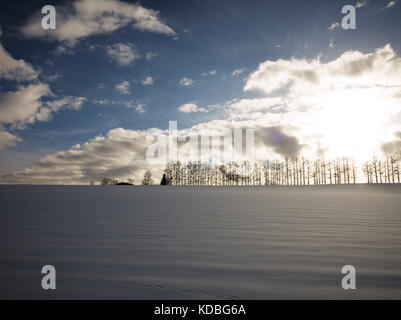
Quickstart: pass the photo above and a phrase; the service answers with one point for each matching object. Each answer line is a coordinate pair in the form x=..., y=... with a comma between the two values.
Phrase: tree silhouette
x=108, y=182
x=164, y=180
x=147, y=178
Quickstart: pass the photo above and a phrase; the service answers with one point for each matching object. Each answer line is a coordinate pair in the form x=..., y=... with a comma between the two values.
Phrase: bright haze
x=77, y=102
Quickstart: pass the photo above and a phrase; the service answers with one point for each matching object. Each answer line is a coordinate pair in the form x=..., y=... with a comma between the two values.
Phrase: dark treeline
x=290, y=172
x=382, y=171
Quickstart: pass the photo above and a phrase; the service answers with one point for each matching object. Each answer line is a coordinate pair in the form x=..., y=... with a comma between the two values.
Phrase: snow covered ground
x=200, y=242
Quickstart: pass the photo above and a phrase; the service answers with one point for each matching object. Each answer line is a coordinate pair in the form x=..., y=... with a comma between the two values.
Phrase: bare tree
x=147, y=178
x=108, y=182
x=353, y=172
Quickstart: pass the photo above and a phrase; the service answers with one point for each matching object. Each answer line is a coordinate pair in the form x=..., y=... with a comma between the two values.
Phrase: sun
x=352, y=122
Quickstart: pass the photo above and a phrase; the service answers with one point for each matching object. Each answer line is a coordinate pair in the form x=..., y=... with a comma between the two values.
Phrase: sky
x=77, y=102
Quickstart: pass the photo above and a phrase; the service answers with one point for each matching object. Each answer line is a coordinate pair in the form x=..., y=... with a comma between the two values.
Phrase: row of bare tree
x=146, y=180
x=382, y=171
x=291, y=171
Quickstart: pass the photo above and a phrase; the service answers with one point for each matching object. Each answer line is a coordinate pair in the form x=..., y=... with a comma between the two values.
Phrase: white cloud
x=391, y=4
x=53, y=77
x=140, y=108
x=348, y=102
x=382, y=66
x=331, y=44
x=84, y=18
x=186, y=82
x=361, y=4
x=190, y=108
x=393, y=148
x=131, y=104
x=211, y=72
x=123, y=87
x=122, y=53
x=103, y=101
x=68, y=102
x=67, y=48
x=147, y=81
x=12, y=69
x=238, y=71
x=120, y=154
x=25, y=106
x=7, y=139
x=150, y=55
x=334, y=25
x=240, y=109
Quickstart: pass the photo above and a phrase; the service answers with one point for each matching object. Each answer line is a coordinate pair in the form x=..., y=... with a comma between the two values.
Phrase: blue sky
x=203, y=42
